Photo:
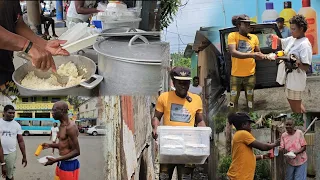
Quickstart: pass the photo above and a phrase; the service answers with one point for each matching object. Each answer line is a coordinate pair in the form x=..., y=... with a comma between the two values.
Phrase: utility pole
x=33, y=11
x=59, y=14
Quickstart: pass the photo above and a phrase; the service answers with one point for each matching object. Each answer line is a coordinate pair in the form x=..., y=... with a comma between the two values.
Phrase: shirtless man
x=68, y=165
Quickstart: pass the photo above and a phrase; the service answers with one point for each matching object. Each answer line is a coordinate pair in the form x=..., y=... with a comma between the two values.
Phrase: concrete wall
x=128, y=144
x=206, y=62
x=262, y=135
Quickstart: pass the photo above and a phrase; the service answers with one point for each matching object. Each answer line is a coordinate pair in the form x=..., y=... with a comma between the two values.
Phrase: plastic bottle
x=287, y=13
x=274, y=42
x=39, y=149
x=311, y=16
x=269, y=15
x=276, y=151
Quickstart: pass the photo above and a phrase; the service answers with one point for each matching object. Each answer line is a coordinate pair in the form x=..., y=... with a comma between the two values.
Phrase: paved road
x=91, y=159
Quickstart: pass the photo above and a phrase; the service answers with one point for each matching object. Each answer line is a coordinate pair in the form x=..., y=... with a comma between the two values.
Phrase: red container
x=274, y=42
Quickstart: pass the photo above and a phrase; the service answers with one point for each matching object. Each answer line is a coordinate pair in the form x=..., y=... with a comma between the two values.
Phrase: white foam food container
x=183, y=145
x=81, y=44
x=44, y=159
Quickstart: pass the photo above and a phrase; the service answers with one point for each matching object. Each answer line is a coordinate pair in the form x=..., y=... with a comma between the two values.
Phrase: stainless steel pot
x=130, y=66
x=84, y=89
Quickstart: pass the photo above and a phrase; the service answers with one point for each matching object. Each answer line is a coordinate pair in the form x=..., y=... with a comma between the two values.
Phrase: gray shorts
x=10, y=160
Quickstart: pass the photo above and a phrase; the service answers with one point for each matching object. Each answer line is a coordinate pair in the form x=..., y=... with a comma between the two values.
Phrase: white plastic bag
x=281, y=74
x=78, y=31
x=102, y=6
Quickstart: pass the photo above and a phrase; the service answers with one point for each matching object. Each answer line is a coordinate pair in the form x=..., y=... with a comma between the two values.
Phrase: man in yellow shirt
x=243, y=163
x=178, y=108
x=244, y=49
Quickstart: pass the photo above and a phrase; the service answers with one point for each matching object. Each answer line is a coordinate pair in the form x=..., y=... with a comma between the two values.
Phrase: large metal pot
x=130, y=66
x=84, y=89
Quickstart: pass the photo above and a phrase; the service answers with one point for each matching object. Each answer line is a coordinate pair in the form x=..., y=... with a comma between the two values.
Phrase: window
x=25, y=99
x=47, y=123
x=24, y=123
x=45, y=99
x=53, y=100
x=36, y=123
x=86, y=106
x=33, y=99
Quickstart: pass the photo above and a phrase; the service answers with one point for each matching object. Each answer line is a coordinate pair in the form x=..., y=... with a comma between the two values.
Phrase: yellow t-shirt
x=178, y=111
x=243, y=67
x=243, y=163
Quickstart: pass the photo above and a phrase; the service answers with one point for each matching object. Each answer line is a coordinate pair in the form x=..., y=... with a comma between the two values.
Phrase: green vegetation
x=220, y=123
x=169, y=8
x=179, y=60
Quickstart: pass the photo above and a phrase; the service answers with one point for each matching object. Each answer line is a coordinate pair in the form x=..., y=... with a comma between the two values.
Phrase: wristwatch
x=2, y=164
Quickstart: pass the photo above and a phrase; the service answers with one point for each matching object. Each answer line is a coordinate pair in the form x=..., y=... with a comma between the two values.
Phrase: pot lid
x=137, y=49
x=126, y=31
x=121, y=30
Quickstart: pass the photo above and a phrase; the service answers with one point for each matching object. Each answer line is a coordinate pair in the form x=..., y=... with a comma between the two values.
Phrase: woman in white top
x=80, y=11
x=302, y=49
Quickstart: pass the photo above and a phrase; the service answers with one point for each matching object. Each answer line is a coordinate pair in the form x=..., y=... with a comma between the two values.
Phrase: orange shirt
x=178, y=111
x=243, y=164
x=243, y=67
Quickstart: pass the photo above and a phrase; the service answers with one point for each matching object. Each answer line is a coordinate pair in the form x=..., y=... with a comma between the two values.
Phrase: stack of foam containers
x=183, y=145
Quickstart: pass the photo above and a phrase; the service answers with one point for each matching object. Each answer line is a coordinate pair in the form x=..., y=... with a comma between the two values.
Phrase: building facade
x=39, y=107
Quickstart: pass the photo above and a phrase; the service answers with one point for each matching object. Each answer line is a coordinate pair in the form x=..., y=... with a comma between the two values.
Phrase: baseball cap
x=181, y=73
x=280, y=19
x=241, y=18
x=240, y=117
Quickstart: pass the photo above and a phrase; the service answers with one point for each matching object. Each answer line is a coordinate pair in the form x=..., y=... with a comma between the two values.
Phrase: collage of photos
x=159, y=90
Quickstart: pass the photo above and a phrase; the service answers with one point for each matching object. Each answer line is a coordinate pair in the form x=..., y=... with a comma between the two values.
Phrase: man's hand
x=24, y=161
x=50, y=161
x=4, y=171
x=259, y=56
x=266, y=156
x=154, y=134
x=41, y=58
x=55, y=49
x=46, y=146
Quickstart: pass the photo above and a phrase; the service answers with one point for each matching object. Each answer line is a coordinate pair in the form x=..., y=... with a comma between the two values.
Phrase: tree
x=76, y=101
x=169, y=8
x=179, y=60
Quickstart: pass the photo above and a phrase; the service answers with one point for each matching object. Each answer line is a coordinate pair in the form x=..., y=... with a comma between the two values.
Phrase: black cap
x=240, y=117
x=280, y=19
x=181, y=73
x=241, y=18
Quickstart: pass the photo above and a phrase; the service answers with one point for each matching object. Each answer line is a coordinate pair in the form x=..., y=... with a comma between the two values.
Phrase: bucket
x=131, y=65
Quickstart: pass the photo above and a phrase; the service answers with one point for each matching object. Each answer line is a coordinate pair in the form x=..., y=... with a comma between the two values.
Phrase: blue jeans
x=296, y=172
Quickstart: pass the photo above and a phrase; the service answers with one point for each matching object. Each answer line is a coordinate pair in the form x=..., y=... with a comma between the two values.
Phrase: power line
x=179, y=34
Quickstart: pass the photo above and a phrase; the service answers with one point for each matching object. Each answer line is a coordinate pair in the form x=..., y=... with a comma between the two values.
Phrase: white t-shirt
x=303, y=50
x=195, y=90
x=54, y=131
x=72, y=12
x=9, y=131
